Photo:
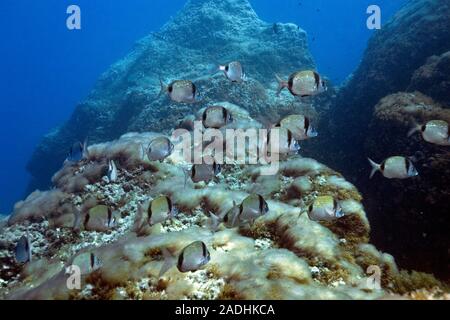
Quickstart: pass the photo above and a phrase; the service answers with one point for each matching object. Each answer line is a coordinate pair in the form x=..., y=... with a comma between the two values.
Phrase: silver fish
x=302, y=84
x=181, y=91
x=160, y=209
x=112, y=171
x=251, y=208
x=434, y=131
x=286, y=143
x=300, y=126
x=192, y=258
x=216, y=117
x=23, y=250
x=100, y=218
x=88, y=262
x=203, y=172
x=394, y=168
x=233, y=71
x=78, y=151
x=325, y=208
x=159, y=149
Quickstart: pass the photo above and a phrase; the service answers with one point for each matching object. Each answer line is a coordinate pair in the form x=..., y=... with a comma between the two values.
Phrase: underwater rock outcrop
x=283, y=254
x=434, y=78
x=394, y=61
x=421, y=29
x=414, y=212
x=204, y=34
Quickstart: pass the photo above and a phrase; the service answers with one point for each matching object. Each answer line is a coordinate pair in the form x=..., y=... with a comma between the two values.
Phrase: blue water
x=45, y=69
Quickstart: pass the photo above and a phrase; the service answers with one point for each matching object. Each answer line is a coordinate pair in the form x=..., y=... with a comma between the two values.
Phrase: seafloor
x=283, y=255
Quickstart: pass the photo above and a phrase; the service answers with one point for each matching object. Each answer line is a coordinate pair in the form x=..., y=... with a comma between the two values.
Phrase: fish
x=159, y=149
x=299, y=125
x=286, y=145
x=250, y=209
x=188, y=123
x=216, y=117
x=234, y=71
x=203, y=172
x=181, y=91
x=160, y=209
x=394, y=168
x=302, y=84
x=112, y=171
x=100, y=218
x=434, y=131
x=325, y=208
x=231, y=218
x=253, y=207
x=78, y=151
x=192, y=258
x=88, y=262
x=23, y=250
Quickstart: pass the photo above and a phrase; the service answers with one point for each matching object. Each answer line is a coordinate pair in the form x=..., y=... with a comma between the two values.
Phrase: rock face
x=397, y=59
x=204, y=34
x=434, y=78
x=418, y=31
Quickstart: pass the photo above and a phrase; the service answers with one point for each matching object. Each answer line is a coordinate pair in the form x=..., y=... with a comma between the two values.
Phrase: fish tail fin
x=215, y=221
x=281, y=85
x=375, y=167
x=85, y=149
x=214, y=69
x=168, y=262
x=415, y=128
x=77, y=220
x=163, y=88
x=142, y=152
x=185, y=171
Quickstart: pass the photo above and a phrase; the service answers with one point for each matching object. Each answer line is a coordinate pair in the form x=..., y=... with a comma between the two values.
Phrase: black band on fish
x=261, y=203
x=180, y=260
x=317, y=79
x=169, y=203
x=291, y=82
x=205, y=251
x=224, y=113
x=92, y=260
x=407, y=165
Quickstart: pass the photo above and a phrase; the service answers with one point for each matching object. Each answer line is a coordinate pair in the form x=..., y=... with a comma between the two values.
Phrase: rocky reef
x=433, y=78
x=202, y=35
x=281, y=255
x=368, y=119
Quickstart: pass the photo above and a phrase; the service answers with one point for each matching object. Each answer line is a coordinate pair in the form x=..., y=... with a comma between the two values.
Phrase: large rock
x=419, y=30
x=402, y=219
x=204, y=33
x=434, y=78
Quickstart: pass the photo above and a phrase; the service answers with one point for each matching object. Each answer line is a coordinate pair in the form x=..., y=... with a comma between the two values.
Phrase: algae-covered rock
x=283, y=254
